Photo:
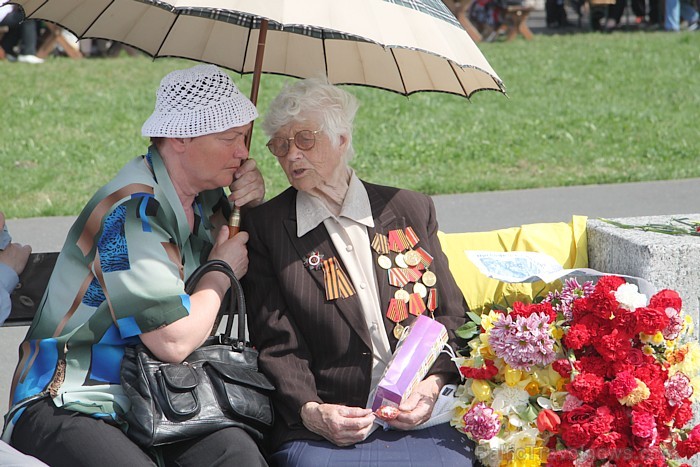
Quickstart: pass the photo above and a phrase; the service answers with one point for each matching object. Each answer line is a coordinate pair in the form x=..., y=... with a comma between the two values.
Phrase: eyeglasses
x=304, y=140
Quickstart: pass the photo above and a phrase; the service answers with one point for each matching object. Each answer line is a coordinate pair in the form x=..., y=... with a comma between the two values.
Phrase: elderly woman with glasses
x=328, y=300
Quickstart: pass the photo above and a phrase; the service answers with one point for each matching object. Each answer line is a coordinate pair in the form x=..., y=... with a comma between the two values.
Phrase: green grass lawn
x=581, y=109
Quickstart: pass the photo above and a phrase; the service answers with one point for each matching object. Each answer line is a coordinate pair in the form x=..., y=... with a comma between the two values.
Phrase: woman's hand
x=14, y=255
x=233, y=251
x=419, y=405
x=248, y=187
x=339, y=424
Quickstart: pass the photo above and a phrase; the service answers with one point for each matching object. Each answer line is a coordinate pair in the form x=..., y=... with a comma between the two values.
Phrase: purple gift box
x=415, y=354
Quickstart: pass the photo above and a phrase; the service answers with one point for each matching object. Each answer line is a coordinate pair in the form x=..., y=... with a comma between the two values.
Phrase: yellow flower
x=638, y=394
x=561, y=384
x=481, y=390
x=488, y=320
x=512, y=376
x=646, y=338
x=658, y=338
x=689, y=326
x=691, y=362
x=648, y=350
x=557, y=332
x=532, y=388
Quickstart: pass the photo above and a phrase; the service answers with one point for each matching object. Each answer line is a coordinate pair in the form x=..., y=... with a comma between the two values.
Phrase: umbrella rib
x=466, y=93
x=35, y=9
x=165, y=37
x=247, y=45
x=97, y=17
x=398, y=68
x=325, y=57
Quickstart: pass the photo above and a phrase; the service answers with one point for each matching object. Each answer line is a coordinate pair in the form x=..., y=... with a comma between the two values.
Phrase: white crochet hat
x=197, y=101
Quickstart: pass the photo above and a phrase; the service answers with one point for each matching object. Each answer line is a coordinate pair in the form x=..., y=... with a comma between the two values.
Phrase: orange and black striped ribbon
x=398, y=241
x=415, y=304
x=336, y=281
x=397, y=310
x=380, y=244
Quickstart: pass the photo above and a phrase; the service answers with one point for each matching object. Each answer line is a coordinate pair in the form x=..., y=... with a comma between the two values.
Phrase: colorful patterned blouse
x=120, y=273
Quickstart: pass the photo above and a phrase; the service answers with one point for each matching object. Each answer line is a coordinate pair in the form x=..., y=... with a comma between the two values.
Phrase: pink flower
x=675, y=324
x=481, y=422
x=678, y=389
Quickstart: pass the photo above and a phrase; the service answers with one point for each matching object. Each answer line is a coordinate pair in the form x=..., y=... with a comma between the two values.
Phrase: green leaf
x=474, y=317
x=467, y=330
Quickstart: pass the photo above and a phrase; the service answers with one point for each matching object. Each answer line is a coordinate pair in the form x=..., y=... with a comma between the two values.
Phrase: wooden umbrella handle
x=234, y=222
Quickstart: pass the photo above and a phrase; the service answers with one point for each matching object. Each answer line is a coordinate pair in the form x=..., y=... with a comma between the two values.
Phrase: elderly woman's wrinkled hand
x=339, y=424
x=248, y=187
x=418, y=407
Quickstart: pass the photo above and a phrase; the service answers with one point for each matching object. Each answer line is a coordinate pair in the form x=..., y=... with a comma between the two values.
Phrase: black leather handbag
x=217, y=386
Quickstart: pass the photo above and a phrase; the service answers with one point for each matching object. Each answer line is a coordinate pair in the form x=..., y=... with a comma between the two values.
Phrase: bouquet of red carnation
x=592, y=376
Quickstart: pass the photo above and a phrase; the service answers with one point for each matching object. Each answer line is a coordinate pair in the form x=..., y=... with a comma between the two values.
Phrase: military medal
x=397, y=312
x=412, y=263
x=402, y=294
x=420, y=289
x=384, y=261
x=415, y=304
x=380, y=244
x=429, y=278
x=426, y=258
x=398, y=277
x=411, y=236
x=432, y=300
x=412, y=258
x=400, y=262
x=313, y=260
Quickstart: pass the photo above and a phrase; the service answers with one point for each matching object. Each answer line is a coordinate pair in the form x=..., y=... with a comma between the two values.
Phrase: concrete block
x=667, y=261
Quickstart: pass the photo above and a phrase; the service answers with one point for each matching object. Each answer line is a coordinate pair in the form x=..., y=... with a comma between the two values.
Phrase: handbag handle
x=236, y=298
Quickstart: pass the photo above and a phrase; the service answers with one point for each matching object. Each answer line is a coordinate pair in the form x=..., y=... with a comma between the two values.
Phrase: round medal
x=412, y=258
x=420, y=289
x=398, y=330
x=400, y=261
x=429, y=278
x=384, y=261
x=402, y=294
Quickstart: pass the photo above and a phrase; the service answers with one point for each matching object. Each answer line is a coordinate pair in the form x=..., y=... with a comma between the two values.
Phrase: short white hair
x=315, y=99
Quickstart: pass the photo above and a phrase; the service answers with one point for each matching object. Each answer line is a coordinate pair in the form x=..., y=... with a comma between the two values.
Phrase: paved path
x=456, y=213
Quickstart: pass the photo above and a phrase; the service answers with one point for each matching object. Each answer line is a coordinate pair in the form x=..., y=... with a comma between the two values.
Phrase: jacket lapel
x=318, y=240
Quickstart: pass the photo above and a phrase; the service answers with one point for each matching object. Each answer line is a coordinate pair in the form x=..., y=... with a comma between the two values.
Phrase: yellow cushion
x=565, y=242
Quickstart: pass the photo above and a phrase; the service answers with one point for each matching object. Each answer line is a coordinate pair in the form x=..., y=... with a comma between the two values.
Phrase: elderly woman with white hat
x=119, y=280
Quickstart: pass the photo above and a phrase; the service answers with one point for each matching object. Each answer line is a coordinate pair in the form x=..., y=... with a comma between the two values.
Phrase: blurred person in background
x=23, y=34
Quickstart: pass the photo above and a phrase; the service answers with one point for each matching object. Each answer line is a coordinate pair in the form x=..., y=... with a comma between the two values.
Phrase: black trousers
x=61, y=437
x=24, y=33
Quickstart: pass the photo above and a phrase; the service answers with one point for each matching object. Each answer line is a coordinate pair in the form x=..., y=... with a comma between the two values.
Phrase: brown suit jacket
x=318, y=350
